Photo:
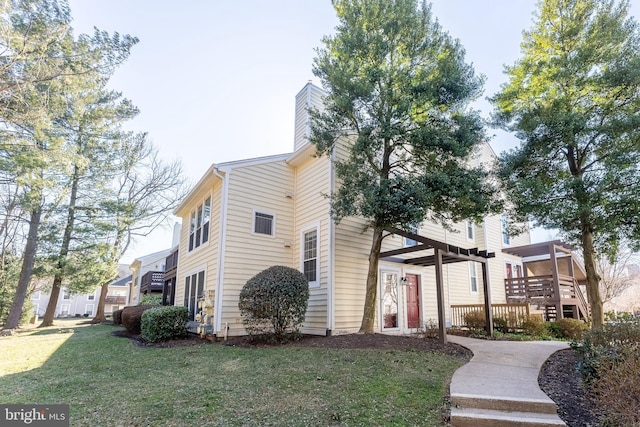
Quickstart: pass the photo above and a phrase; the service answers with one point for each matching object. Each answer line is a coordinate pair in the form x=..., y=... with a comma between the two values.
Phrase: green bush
x=117, y=317
x=554, y=329
x=132, y=316
x=150, y=299
x=572, y=328
x=501, y=324
x=610, y=366
x=534, y=326
x=274, y=302
x=164, y=323
x=475, y=320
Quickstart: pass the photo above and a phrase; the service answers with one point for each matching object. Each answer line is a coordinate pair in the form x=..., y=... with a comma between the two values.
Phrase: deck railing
x=541, y=290
x=515, y=314
x=115, y=299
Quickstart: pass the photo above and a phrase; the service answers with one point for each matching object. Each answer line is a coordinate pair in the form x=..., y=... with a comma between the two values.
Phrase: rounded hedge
x=274, y=301
x=164, y=323
x=132, y=316
x=117, y=317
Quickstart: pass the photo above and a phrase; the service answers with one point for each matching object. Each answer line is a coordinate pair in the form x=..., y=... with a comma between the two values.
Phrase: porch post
x=442, y=331
x=488, y=311
x=556, y=281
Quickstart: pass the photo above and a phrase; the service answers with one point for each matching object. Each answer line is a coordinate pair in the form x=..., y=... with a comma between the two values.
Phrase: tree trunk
x=47, y=320
x=100, y=317
x=593, y=280
x=25, y=272
x=368, y=316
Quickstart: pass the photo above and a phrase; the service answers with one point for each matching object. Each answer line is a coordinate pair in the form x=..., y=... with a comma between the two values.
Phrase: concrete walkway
x=499, y=386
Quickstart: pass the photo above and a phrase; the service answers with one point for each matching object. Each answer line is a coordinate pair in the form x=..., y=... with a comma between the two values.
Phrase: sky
x=215, y=80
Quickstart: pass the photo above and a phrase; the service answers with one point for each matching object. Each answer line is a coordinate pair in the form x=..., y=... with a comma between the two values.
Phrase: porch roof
x=538, y=249
x=450, y=253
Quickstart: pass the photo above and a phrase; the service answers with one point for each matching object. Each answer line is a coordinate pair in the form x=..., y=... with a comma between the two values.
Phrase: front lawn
x=109, y=381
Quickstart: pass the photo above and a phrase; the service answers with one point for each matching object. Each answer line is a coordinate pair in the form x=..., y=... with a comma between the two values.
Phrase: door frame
x=420, y=275
x=401, y=307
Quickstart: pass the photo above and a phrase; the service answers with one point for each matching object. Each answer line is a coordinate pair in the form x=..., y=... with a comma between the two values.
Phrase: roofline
x=310, y=83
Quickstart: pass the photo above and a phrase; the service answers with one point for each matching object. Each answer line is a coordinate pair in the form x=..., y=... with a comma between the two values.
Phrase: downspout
x=332, y=255
x=446, y=242
x=222, y=236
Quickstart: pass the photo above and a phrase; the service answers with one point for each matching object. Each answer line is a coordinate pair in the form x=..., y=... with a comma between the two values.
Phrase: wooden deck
x=556, y=298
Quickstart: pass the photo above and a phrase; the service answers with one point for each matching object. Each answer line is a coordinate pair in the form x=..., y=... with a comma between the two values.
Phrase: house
x=147, y=275
x=244, y=216
x=73, y=305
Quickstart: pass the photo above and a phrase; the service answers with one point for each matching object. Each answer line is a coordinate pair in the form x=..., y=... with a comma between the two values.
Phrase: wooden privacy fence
x=515, y=314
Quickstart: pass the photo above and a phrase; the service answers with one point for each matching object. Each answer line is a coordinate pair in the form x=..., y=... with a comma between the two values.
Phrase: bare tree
x=615, y=277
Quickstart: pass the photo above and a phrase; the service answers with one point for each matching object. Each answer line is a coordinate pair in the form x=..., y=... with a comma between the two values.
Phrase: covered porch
x=436, y=254
x=551, y=280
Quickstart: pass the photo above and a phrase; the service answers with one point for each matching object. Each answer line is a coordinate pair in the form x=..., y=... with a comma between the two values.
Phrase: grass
x=108, y=381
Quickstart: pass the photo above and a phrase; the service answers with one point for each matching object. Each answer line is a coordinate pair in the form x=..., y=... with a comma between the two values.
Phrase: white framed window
x=193, y=291
x=309, y=254
x=469, y=230
x=65, y=294
x=473, y=278
x=264, y=223
x=92, y=296
x=64, y=310
x=199, y=224
x=390, y=307
x=35, y=296
x=504, y=220
x=89, y=309
x=36, y=308
x=410, y=242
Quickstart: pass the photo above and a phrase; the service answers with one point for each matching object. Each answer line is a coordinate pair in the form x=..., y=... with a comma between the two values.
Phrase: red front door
x=413, y=301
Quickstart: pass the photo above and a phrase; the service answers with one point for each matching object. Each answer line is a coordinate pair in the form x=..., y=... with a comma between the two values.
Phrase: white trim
x=400, y=317
x=332, y=254
x=253, y=222
x=303, y=231
x=35, y=296
x=222, y=237
x=502, y=230
x=199, y=203
x=93, y=309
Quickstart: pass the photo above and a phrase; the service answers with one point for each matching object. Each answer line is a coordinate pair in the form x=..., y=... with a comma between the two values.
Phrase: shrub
x=164, y=323
x=132, y=316
x=554, y=329
x=274, y=302
x=501, y=324
x=117, y=317
x=475, y=320
x=150, y=299
x=571, y=328
x=534, y=325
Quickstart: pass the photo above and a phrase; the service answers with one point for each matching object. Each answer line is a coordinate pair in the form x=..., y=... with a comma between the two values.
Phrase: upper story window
x=199, y=224
x=410, y=242
x=505, y=229
x=470, y=231
x=473, y=278
x=310, y=256
x=91, y=296
x=35, y=296
x=263, y=223
x=66, y=294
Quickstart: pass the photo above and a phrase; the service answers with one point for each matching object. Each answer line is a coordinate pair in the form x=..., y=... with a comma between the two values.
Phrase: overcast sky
x=215, y=80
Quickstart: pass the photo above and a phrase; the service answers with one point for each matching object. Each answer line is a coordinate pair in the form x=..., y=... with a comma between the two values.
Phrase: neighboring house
x=147, y=275
x=247, y=215
x=70, y=305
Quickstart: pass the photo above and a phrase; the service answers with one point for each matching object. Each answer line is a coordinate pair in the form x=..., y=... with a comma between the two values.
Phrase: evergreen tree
x=398, y=94
x=573, y=100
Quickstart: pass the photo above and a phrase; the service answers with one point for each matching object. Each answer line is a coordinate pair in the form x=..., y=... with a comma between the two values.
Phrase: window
x=89, y=310
x=389, y=300
x=65, y=294
x=505, y=230
x=473, y=278
x=35, y=296
x=410, y=242
x=199, y=224
x=263, y=223
x=470, y=233
x=193, y=291
x=64, y=310
x=36, y=308
x=91, y=297
x=310, y=256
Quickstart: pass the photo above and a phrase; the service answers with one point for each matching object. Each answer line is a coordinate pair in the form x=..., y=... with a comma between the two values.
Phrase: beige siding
x=312, y=179
x=205, y=257
x=266, y=188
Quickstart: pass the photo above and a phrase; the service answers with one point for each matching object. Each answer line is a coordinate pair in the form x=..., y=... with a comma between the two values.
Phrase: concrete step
x=511, y=404
x=473, y=417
